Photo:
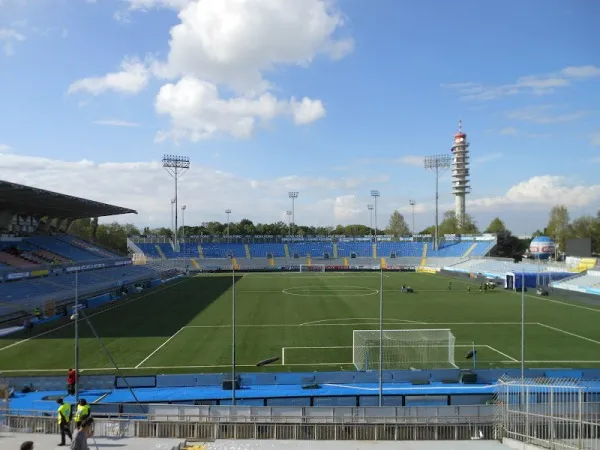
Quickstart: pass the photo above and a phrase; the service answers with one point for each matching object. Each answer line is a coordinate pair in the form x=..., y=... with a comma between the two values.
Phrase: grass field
x=186, y=326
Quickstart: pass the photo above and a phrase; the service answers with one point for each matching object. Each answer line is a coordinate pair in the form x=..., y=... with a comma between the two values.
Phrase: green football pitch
x=308, y=317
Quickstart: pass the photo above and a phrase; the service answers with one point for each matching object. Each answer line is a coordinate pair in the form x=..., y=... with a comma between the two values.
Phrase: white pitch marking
x=359, y=318
x=118, y=304
x=159, y=347
x=386, y=321
x=487, y=386
x=501, y=353
x=569, y=333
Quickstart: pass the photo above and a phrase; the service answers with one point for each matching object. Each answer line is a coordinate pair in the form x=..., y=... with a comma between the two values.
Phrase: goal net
x=404, y=349
x=312, y=268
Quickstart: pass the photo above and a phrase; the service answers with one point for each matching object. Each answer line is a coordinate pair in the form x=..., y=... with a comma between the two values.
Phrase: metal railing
x=188, y=428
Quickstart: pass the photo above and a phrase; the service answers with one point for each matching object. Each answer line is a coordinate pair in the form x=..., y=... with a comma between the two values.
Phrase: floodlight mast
x=437, y=163
x=293, y=196
x=176, y=166
x=370, y=208
x=289, y=215
x=413, y=203
x=228, y=212
x=375, y=194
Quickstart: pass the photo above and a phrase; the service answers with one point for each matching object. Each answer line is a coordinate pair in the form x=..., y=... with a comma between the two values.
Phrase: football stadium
x=202, y=338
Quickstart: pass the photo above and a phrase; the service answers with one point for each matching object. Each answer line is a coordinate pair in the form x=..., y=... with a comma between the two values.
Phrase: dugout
x=514, y=280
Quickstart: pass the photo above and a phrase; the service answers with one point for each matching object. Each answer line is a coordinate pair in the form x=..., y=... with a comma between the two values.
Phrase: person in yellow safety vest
x=83, y=412
x=37, y=313
x=64, y=419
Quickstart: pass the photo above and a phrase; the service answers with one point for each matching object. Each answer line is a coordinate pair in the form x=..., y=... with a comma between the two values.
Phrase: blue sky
x=96, y=92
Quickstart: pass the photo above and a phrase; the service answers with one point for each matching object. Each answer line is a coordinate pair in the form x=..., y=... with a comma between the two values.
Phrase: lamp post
x=173, y=218
x=375, y=194
x=293, y=196
x=228, y=211
x=437, y=163
x=413, y=203
x=183, y=223
x=370, y=207
x=289, y=216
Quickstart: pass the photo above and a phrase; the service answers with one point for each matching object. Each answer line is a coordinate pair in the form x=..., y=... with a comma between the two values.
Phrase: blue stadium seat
x=263, y=250
x=362, y=249
x=61, y=248
x=313, y=249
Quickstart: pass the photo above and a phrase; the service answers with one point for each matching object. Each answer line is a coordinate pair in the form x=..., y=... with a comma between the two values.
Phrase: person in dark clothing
x=27, y=445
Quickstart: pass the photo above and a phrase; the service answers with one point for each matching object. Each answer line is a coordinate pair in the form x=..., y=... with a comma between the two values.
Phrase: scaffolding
x=549, y=413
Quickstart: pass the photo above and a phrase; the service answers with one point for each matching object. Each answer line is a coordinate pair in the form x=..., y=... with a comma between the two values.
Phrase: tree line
x=559, y=227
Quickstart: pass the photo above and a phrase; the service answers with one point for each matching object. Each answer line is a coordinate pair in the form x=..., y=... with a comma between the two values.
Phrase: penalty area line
x=159, y=347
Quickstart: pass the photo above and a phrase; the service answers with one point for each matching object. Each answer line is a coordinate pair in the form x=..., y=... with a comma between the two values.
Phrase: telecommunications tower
x=460, y=174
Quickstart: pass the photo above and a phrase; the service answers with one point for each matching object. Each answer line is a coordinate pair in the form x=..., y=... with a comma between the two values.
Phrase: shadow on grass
x=161, y=311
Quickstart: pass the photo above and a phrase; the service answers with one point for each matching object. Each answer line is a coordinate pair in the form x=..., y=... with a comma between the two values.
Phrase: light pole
x=227, y=211
x=176, y=166
x=289, y=215
x=370, y=207
x=375, y=194
x=413, y=203
x=76, y=319
x=183, y=223
x=437, y=163
x=173, y=219
x=293, y=196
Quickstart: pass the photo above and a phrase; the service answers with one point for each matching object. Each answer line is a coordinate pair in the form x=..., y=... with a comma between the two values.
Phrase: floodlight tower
x=437, y=163
x=460, y=174
x=375, y=194
x=413, y=203
x=183, y=222
x=289, y=215
x=228, y=211
x=293, y=196
x=176, y=166
x=370, y=208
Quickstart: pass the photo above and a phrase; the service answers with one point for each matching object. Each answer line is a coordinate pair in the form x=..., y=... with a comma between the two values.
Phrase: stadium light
x=413, y=203
x=375, y=194
x=437, y=163
x=228, y=211
x=289, y=215
x=370, y=208
x=176, y=166
x=183, y=222
x=293, y=196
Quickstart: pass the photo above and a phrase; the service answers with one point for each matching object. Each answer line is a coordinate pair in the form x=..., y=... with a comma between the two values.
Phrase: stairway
x=374, y=250
x=424, y=255
x=247, y=248
x=383, y=263
x=335, y=250
x=235, y=264
x=195, y=263
x=286, y=249
x=160, y=252
x=470, y=249
x=200, y=251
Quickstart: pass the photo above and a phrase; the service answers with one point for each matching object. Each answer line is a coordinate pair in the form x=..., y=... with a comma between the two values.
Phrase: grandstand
x=39, y=260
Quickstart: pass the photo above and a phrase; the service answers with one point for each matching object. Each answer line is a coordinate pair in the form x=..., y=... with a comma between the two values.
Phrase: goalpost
x=312, y=268
x=404, y=349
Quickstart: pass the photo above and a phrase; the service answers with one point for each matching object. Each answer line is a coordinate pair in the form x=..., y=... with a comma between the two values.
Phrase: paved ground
x=354, y=445
x=12, y=441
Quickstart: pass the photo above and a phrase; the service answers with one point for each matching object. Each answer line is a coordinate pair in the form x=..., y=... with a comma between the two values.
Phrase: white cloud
x=5, y=148
x=540, y=192
x=131, y=79
x=8, y=38
x=411, y=160
x=219, y=55
x=198, y=112
x=508, y=131
x=595, y=139
x=537, y=85
x=116, y=123
x=146, y=187
x=346, y=209
x=544, y=114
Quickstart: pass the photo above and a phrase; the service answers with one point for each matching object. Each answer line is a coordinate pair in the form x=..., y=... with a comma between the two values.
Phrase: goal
x=312, y=268
x=404, y=349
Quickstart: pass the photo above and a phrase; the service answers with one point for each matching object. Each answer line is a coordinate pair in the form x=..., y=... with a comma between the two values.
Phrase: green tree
x=397, y=226
x=449, y=225
x=496, y=226
x=558, y=225
x=587, y=227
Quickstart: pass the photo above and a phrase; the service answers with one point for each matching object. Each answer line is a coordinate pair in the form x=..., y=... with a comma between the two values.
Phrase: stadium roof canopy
x=26, y=200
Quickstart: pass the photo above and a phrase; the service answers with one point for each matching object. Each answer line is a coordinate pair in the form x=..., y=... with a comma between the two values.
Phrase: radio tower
x=460, y=174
